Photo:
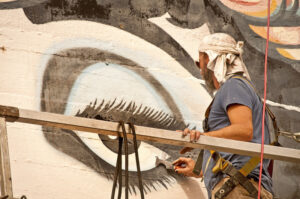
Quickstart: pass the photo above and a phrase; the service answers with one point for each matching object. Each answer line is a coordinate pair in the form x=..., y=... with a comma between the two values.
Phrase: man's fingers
x=180, y=160
x=192, y=135
x=186, y=132
x=197, y=135
x=182, y=170
x=176, y=162
x=185, y=149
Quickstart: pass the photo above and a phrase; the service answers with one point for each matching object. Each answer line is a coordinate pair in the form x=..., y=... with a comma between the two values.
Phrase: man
x=236, y=113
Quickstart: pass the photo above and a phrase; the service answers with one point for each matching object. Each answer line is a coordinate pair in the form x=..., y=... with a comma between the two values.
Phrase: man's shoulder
x=237, y=87
x=238, y=83
x=232, y=83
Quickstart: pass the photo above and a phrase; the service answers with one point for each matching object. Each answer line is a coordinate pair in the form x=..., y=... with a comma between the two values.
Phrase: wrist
x=218, y=134
x=209, y=134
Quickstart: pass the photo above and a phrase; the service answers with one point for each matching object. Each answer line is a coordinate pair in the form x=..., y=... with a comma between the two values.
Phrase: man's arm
x=240, y=127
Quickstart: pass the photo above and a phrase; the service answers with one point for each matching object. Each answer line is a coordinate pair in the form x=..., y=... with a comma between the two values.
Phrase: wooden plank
x=6, y=182
x=157, y=135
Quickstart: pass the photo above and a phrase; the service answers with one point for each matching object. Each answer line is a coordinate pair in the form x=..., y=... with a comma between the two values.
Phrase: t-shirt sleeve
x=235, y=91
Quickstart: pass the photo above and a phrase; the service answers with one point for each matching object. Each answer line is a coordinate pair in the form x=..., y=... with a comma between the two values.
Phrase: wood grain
x=6, y=182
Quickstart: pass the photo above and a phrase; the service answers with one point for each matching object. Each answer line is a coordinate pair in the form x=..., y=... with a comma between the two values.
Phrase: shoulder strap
x=205, y=122
x=207, y=112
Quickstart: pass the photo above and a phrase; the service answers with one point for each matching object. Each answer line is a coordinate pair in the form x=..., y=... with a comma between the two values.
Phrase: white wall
x=38, y=169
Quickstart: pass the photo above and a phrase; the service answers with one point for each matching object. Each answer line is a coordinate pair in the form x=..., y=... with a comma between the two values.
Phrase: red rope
x=264, y=104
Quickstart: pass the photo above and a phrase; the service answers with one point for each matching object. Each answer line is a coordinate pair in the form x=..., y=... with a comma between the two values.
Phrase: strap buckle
x=221, y=163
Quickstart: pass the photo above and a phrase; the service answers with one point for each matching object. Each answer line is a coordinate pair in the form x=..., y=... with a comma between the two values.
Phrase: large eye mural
x=140, y=68
x=108, y=87
x=120, y=85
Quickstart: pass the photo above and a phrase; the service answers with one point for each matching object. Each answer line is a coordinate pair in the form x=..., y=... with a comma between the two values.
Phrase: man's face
x=206, y=74
x=203, y=61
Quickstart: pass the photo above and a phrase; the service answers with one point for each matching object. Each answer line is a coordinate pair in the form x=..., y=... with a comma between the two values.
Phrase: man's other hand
x=185, y=166
x=194, y=136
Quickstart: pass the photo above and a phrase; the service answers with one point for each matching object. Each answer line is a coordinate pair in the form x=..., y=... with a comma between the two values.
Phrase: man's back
x=236, y=91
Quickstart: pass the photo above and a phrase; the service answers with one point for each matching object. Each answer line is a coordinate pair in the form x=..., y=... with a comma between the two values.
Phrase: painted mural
x=133, y=60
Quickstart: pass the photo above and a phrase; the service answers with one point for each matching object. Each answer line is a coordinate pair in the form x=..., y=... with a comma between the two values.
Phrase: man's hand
x=194, y=136
x=185, y=166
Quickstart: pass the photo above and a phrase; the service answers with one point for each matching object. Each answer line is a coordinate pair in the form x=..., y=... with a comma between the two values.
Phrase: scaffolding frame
x=13, y=114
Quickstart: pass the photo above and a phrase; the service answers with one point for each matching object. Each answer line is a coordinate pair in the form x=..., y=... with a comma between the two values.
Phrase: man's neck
x=216, y=83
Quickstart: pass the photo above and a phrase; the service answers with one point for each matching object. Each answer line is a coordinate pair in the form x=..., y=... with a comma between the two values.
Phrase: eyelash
x=144, y=116
x=130, y=112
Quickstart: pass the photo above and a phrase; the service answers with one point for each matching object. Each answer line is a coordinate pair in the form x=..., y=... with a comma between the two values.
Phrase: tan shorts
x=240, y=192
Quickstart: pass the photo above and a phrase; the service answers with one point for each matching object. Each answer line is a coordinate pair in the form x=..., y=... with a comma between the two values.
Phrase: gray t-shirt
x=236, y=91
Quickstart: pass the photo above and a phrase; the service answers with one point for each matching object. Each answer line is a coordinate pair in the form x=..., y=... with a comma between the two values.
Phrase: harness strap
x=233, y=181
x=137, y=160
x=205, y=123
x=126, y=158
x=118, y=171
x=238, y=177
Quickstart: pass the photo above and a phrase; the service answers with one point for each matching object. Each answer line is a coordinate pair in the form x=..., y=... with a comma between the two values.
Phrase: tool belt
x=224, y=166
x=236, y=176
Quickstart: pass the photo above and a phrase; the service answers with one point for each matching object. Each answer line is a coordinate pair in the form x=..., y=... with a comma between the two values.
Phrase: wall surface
x=132, y=60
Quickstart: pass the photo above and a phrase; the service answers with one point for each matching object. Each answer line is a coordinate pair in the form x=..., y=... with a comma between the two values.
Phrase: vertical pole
x=1, y=173
x=5, y=176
